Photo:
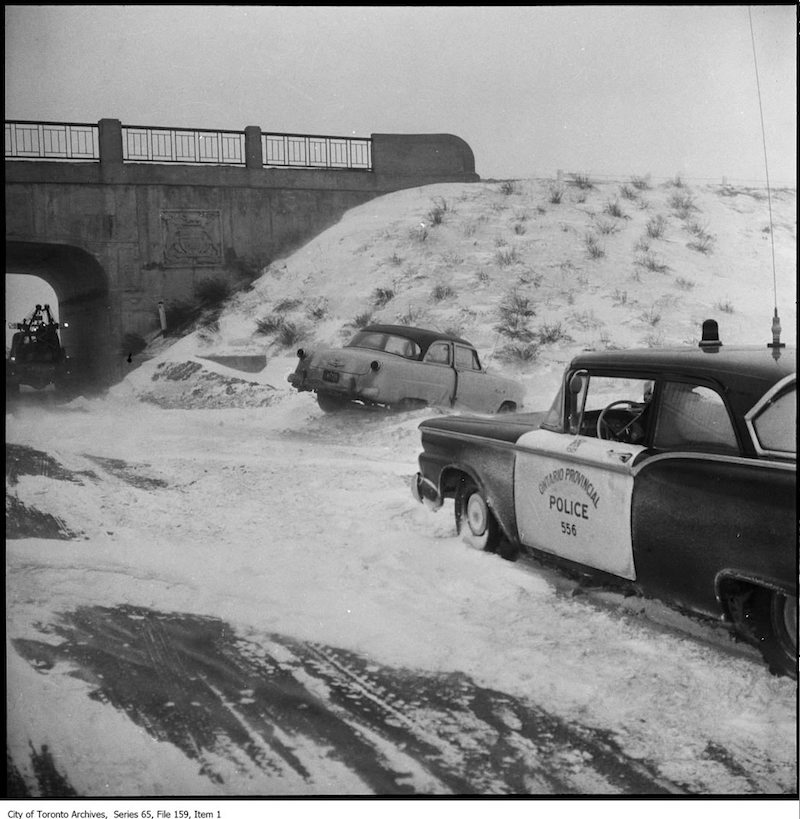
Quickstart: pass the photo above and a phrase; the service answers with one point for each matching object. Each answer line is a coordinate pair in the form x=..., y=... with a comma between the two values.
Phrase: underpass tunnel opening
x=23, y=293
x=81, y=303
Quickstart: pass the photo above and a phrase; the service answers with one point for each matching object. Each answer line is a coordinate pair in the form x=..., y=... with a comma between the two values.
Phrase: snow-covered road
x=248, y=601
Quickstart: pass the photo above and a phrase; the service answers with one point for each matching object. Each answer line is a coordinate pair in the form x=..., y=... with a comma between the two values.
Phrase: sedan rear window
x=387, y=342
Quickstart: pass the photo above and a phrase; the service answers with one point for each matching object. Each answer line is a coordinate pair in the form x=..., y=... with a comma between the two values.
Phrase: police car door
x=573, y=489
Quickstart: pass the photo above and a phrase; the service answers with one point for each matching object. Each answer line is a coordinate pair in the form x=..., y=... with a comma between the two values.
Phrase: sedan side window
x=438, y=353
x=467, y=359
x=693, y=417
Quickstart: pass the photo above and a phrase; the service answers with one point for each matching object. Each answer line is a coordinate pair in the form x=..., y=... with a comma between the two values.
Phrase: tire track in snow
x=301, y=716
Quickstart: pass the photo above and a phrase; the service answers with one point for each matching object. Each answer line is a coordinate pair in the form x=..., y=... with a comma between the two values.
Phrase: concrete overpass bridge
x=120, y=218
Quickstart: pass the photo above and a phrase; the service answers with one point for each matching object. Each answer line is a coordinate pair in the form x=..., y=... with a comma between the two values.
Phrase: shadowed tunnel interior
x=81, y=286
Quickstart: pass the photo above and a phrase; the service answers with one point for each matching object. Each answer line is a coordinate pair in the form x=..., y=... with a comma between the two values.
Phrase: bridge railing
x=52, y=140
x=298, y=151
x=194, y=146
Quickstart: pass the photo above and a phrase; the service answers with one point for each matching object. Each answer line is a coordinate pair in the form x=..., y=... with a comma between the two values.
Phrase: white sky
x=614, y=90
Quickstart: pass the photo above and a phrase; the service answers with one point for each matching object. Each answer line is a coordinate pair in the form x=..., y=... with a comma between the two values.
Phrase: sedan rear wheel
x=332, y=403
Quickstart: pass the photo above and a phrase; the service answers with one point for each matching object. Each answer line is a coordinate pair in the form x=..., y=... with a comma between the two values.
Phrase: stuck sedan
x=401, y=367
x=670, y=472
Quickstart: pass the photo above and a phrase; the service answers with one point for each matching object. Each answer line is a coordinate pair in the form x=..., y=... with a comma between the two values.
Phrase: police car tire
x=490, y=538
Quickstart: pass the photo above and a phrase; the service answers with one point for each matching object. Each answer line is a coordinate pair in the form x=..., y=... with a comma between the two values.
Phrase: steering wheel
x=617, y=434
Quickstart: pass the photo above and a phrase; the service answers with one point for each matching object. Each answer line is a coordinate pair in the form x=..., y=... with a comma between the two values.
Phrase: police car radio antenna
x=776, y=322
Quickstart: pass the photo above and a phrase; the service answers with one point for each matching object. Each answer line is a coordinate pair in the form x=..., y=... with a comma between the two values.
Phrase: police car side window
x=695, y=418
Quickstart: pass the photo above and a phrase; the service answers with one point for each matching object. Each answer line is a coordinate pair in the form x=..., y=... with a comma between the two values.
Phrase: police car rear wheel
x=770, y=620
x=474, y=519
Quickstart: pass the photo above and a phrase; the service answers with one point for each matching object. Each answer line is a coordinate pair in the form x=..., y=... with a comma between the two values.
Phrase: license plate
x=330, y=376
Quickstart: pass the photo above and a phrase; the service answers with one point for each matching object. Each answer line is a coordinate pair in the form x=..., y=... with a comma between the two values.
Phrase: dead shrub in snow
x=506, y=257
x=650, y=261
x=613, y=208
x=318, y=310
x=702, y=241
x=593, y=246
x=519, y=352
x=381, y=296
x=682, y=202
x=551, y=333
x=656, y=226
x=269, y=324
x=582, y=181
x=619, y=297
x=441, y=292
x=289, y=334
x=606, y=228
x=360, y=321
x=437, y=212
x=285, y=305
x=651, y=316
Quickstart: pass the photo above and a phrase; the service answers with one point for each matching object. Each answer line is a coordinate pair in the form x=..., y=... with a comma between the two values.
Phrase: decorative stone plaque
x=192, y=238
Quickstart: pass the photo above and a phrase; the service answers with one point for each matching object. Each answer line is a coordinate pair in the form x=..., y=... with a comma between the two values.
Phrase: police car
x=671, y=472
